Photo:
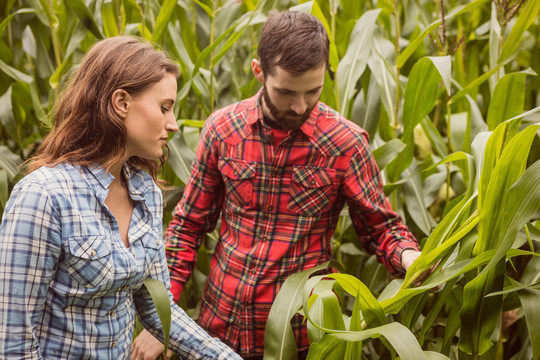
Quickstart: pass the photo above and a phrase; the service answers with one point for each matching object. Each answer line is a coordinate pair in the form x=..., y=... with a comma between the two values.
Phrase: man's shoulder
x=231, y=123
x=332, y=126
x=235, y=112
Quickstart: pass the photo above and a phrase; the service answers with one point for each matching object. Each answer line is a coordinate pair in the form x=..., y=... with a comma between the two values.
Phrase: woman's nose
x=171, y=125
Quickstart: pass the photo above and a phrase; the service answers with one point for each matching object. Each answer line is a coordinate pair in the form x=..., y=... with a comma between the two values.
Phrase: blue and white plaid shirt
x=69, y=287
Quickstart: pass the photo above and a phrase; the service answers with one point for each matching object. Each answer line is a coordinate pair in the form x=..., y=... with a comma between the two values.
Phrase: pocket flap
x=89, y=247
x=313, y=177
x=237, y=169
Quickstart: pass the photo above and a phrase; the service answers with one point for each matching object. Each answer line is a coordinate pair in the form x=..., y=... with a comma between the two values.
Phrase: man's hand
x=147, y=347
x=407, y=258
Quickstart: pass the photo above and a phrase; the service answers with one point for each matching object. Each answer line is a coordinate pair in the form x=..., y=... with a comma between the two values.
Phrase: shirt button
x=157, y=242
x=113, y=344
x=111, y=313
x=270, y=208
x=92, y=253
x=313, y=182
x=253, y=271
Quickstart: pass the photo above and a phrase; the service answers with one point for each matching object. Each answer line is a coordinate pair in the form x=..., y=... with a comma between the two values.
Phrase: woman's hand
x=147, y=347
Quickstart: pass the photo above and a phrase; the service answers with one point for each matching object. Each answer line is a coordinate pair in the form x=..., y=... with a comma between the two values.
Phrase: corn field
x=449, y=94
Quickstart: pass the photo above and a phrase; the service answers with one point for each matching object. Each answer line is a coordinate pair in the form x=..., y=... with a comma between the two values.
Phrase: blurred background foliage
x=449, y=93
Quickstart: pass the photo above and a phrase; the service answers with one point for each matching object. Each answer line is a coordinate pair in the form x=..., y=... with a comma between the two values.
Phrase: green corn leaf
x=9, y=162
x=458, y=10
x=279, y=340
x=525, y=19
x=530, y=300
x=459, y=129
x=494, y=43
x=165, y=14
x=366, y=108
x=420, y=94
x=324, y=309
x=474, y=84
x=452, y=326
x=331, y=310
x=7, y=20
x=370, y=307
x=207, y=9
x=480, y=315
x=60, y=71
x=4, y=185
x=434, y=311
x=328, y=348
x=183, y=57
x=15, y=74
x=160, y=296
x=434, y=136
x=431, y=257
x=333, y=53
x=354, y=62
x=6, y=116
x=180, y=157
x=394, y=299
x=109, y=19
x=432, y=355
x=388, y=152
x=401, y=339
x=241, y=23
x=521, y=204
x=443, y=64
x=255, y=18
x=508, y=98
x=86, y=17
x=384, y=74
x=509, y=168
x=354, y=349
x=413, y=191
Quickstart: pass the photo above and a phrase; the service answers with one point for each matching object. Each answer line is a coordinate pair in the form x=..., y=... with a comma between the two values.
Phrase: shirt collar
x=100, y=179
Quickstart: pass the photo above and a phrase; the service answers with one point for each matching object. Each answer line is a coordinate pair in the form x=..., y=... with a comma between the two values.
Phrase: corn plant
x=448, y=93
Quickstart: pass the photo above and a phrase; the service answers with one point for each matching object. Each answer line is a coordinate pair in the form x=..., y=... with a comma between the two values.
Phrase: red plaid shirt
x=279, y=206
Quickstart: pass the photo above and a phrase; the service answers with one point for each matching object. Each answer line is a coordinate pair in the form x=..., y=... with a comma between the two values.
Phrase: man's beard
x=287, y=120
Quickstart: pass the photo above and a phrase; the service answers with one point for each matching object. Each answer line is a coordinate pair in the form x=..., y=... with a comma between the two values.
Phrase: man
x=278, y=168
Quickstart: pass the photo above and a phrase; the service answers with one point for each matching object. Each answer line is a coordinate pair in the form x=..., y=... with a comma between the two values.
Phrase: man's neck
x=271, y=122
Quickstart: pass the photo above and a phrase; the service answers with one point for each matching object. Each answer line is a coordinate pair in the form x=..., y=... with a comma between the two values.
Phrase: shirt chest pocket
x=151, y=245
x=90, y=261
x=238, y=176
x=311, y=190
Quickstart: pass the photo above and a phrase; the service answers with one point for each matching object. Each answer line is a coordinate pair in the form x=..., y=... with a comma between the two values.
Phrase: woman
x=82, y=231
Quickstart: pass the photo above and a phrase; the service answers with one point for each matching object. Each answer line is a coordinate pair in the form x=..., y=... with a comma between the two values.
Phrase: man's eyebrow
x=317, y=88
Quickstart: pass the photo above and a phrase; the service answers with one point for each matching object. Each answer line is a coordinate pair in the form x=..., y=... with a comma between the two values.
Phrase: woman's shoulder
x=52, y=179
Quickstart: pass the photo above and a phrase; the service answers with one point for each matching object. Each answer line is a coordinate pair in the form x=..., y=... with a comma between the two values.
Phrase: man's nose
x=299, y=105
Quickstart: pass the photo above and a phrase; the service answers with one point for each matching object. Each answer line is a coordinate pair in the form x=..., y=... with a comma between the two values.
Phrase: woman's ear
x=120, y=102
x=257, y=70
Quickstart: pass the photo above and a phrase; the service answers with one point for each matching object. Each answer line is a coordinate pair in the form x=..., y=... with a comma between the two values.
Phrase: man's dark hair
x=293, y=40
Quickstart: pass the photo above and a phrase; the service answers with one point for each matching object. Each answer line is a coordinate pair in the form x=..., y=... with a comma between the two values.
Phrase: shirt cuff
x=398, y=252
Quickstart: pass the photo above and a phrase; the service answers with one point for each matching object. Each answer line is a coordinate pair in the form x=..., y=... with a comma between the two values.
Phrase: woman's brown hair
x=86, y=129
